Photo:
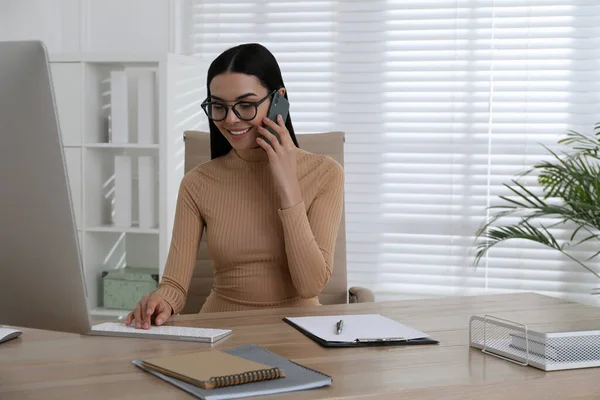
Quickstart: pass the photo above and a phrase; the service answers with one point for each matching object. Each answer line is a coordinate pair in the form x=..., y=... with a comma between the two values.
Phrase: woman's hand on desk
x=151, y=307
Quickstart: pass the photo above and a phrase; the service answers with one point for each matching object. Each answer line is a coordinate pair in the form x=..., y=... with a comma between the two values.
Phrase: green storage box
x=124, y=287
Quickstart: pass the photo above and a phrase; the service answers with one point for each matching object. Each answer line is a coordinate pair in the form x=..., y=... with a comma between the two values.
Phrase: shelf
x=122, y=58
x=122, y=146
x=108, y=57
x=116, y=229
x=83, y=82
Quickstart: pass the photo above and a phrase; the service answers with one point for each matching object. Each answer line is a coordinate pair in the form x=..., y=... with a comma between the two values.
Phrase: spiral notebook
x=297, y=377
x=212, y=369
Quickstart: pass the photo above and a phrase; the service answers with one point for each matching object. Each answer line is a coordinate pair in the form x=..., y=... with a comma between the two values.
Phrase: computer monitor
x=42, y=281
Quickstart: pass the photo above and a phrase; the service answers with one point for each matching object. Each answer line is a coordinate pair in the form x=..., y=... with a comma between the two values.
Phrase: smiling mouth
x=239, y=133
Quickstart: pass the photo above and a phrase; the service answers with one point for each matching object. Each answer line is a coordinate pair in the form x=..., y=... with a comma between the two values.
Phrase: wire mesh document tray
x=548, y=351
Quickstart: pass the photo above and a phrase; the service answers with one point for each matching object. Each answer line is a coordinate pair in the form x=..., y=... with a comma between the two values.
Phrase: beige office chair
x=197, y=151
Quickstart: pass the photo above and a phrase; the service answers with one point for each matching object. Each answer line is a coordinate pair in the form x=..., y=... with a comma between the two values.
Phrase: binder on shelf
x=109, y=128
x=132, y=99
x=146, y=114
x=119, y=107
x=123, y=192
x=147, y=181
x=548, y=350
x=358, y=331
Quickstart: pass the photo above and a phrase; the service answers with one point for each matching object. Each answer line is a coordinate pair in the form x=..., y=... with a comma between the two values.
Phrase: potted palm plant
x=571, y=199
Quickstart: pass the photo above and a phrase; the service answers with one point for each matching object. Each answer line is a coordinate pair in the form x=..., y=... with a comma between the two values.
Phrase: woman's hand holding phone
x=282, y=159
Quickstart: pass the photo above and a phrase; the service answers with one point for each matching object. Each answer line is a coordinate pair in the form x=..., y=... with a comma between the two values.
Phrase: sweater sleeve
x=187, y=232
x=310, y=235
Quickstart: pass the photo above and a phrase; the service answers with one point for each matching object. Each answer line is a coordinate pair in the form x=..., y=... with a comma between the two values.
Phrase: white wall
x=56, y=22
x=71, y=26
x=133, y=25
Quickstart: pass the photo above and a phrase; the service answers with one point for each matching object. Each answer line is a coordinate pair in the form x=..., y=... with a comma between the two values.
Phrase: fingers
x=164, y=313
x=284, y=132
x=149, y=308
x=129, y=319
x=270, y=137
x=279, y=128
x=137, y=315
x=284, y=135
x=274, y=125
x=267, y=147
x=146, y=308
x=286, y=139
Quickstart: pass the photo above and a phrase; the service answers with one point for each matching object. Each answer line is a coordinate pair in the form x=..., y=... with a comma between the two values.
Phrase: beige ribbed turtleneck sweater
x=263, y=256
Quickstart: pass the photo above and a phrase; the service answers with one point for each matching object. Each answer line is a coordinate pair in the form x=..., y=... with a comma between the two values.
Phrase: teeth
x=239, y=132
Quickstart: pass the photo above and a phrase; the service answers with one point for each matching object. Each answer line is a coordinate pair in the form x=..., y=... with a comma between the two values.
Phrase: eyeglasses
x=244, y=110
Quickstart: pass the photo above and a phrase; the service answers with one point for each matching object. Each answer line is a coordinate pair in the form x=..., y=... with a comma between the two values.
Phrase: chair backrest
x=197, y=151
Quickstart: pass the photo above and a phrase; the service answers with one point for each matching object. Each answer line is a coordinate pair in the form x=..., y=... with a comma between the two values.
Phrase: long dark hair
x=250, y=59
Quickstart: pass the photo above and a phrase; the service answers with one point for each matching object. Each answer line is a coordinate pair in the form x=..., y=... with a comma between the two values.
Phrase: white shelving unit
x=86, y=40
x=82, y=89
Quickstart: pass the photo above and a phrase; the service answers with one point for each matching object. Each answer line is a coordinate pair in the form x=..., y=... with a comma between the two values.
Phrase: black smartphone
x=279, y=106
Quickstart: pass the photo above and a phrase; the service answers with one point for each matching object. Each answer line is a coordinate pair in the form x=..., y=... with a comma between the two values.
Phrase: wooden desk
x=51, y=365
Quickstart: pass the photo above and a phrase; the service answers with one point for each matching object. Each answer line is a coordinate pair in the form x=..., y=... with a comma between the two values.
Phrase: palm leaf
x=575, y=234
x=495, y=235
x=570, y=178
x=523, y=195
x=515, y=202
x=594, y=256
x=524, y=231
x=558, y=179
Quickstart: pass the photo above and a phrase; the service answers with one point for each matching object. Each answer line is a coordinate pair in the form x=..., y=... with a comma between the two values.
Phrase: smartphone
x=279, y=106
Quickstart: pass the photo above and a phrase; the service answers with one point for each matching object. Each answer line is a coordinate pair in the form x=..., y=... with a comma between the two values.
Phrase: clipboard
x=364, y=340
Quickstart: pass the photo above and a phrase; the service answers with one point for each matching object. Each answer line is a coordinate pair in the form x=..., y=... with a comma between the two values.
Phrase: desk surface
x=53, y=365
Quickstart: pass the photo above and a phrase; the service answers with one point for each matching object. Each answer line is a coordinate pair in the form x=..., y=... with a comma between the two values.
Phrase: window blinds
x=442, y=102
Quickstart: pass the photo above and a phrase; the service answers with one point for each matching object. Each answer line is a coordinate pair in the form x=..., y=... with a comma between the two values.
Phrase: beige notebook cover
x=212, y=369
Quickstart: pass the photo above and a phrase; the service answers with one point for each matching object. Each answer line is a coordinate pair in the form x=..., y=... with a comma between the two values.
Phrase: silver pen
x=339, y=326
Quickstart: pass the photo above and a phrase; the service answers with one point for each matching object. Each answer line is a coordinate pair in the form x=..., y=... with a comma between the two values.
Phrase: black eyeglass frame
x=206, y=103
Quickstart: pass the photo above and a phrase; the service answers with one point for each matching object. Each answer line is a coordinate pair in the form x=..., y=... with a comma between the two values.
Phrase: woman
x=271, y=212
